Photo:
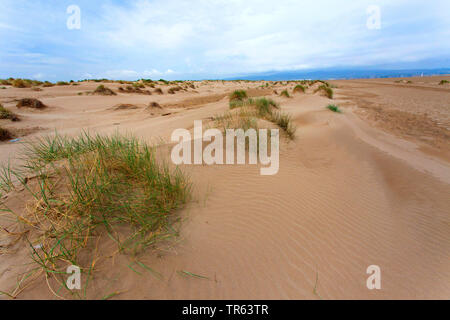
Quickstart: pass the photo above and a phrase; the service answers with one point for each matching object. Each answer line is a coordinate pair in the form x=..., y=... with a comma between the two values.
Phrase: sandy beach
x=367, y=186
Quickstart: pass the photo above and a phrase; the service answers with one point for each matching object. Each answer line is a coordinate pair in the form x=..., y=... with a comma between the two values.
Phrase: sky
x=200, y=39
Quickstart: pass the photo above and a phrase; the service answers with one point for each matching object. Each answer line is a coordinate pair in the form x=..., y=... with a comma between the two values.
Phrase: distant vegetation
x=442, y=82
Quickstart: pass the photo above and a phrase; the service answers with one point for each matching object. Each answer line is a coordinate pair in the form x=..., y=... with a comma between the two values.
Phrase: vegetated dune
x=367, y=186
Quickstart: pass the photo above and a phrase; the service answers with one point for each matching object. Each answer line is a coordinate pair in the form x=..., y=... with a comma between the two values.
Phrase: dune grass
x=442, y=82
x=285, y=93
x=92, y=189
x=104, y=91
x=334, y=108
x=299, y=88
x=253, y=109
x=326, y=90
x=5, y=134
x=238, y=95
x=7, y=114
x=284, y=121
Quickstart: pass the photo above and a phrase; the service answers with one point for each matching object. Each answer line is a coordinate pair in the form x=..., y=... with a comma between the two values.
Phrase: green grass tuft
x=334, y=108
x=92, y=189
x=238, y=95
x=326, y=90
x=299, y=88
x=285, y=93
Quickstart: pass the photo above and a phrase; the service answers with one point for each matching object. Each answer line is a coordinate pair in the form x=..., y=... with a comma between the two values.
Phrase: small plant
x=5, y=134
x=238, y=95
x=62, y=83
x=20, y=83
x=442, y=82
x=299, y=88
x=30, y=103
x=48, y=84
x=6, y=114
x=284, y=121
x=158, y=91
x=285, y=93
x=102, y=90
x=334, y=108
x=326, y=90
x=173, y=90
x=264, y=106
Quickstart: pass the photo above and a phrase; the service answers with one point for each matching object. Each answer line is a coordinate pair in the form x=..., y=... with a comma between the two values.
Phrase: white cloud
x=140, y=38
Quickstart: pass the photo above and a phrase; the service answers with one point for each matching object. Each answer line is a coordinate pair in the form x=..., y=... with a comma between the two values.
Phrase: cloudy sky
x=216, y=38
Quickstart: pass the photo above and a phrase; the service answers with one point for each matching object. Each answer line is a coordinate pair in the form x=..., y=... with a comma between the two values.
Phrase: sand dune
x=364, y=187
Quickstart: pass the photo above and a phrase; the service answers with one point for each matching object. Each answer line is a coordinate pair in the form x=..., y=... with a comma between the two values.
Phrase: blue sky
x=214, y=39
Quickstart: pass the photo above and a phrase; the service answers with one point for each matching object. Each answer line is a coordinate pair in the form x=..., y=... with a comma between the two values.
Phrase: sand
x=369, y=186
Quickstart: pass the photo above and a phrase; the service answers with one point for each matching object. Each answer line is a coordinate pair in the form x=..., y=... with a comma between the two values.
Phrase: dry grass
x=327, y=91
x=5, y=134
x=30, y=103
x=7, y=114
x=104, y=91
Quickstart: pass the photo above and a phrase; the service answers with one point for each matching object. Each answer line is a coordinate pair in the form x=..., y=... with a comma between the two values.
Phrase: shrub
x=62, y=83
x=158, y=91
x=442, y=82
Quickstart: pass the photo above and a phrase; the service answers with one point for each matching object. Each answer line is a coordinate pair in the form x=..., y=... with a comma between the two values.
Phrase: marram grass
x=90, y=189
